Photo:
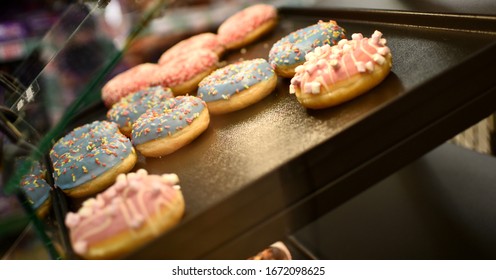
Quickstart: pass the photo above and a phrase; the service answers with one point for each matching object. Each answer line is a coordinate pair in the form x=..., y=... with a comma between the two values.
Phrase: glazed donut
x=183, y=73
x=333, y=75
x=164, y=129
x=203, y=41
x=127, y=82
x=247, y=25
x=290, y=51
x=88, y=159
x=125, y=112
x=237, y=85
x=36, y=189
x=129, y=214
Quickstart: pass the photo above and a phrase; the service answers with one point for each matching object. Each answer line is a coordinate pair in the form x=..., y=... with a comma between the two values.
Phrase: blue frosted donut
x=36, y=188
x=128, y=109
x=95, y=151
x=177, y=119
x=290, y=51
x=235, y=80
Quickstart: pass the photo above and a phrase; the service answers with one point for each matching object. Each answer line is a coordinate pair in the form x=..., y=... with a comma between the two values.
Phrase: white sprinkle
x=377, y=34
x=334, y=63
x=383, y=51
x=369, y=65
x=142, y=172
x=292, y=89
x=72, y=219
x=137, y=221
x=342, y=42
x=360, y=67
x=315, y=87
x=307, y=88
x=85, y=212
x=325, y=48
x=357, y=36
x=81, y=247
x=346, y=48
x=89, y=202
x=171, y=178
x=378, y=58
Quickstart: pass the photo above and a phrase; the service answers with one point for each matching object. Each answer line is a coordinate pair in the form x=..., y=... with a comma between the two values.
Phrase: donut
x=333, y=75
x=247, y=25
x=237, y=85
x=183, y=73
x=290, y=51
x=88, y=159
x=36, y=189
x=164, y=129
x=127, y=82
x=276, y=251
x=203, y=41
x=133, y=211
x=125, y=112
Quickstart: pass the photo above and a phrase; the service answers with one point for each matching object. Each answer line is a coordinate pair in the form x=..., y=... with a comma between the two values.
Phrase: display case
x=257, y=175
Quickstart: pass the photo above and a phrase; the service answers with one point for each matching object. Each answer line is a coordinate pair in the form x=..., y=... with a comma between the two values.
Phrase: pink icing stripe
x=328, y=65
x=245, y=21
x=122, y=207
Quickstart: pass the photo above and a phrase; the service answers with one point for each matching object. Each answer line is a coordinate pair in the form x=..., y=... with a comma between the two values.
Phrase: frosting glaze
x=127, y=205
x=35, y=187
x=237, y=26
x=327, y=65
x=86, y=152
x=183, y=68
x=234, y=78
x=168, y=118
x=208, y=41
x=292, y=48
x=129, y=81
x=128, y=109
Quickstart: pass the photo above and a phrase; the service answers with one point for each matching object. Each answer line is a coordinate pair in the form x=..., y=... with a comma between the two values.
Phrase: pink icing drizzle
x=328, y=65
x=122, y=207
x=245, y=21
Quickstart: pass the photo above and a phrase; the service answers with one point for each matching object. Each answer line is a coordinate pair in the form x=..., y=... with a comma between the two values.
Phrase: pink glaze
x=328, y=65
x=124, y=206
x=236, y=27
x=204, y=41
x=183, y=68
x=129, y=81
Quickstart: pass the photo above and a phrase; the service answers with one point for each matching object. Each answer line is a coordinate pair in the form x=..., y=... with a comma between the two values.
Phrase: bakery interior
x=400, y=172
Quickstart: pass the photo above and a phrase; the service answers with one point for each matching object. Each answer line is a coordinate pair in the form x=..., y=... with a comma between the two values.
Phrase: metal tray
x=258, y=174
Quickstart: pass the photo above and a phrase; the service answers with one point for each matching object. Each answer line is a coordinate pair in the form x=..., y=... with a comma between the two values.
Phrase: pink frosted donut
x=333, y=75
x=183, y=73
x=203, y=41
x=247, y=25
x=129, y=81
x=135, y=209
